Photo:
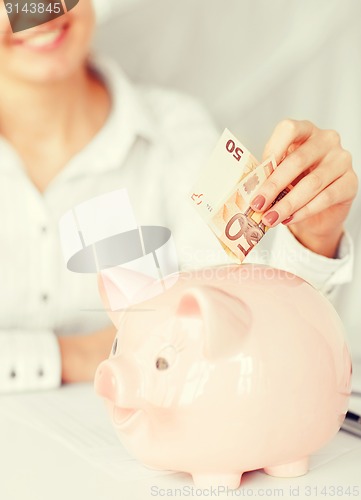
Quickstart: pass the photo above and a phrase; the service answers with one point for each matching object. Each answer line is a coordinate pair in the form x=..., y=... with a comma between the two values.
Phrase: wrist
x=81, y=354
x=326, y=245
x=72, y=362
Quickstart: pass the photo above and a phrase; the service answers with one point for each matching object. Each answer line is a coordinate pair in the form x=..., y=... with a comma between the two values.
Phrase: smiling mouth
x=122, y=416
x=42, y=39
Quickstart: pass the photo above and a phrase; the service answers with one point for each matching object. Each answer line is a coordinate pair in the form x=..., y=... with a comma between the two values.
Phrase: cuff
x=321, y=272
x=29, y=361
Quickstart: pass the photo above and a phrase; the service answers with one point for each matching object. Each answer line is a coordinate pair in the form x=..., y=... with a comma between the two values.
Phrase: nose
x=105, y=383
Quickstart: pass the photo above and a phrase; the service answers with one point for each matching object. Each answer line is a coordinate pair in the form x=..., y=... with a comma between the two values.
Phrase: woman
x=73, y=127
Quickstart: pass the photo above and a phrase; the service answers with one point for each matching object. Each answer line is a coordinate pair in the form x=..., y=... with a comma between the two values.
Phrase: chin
x=50, y=73
x=44, y=74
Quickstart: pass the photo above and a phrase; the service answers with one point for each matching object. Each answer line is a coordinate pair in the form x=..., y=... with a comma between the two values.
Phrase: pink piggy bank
x=231, y=369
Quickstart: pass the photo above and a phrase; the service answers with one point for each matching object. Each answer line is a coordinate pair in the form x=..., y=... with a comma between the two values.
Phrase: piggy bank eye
x=115, y=346
x=166, y=358
x=161, y=364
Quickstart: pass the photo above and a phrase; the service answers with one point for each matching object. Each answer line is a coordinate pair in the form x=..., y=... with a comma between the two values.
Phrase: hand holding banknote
x=306, y=181
x=325, y=184
x=224, y=191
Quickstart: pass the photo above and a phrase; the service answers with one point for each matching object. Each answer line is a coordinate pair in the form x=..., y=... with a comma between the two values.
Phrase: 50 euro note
x=223, y=193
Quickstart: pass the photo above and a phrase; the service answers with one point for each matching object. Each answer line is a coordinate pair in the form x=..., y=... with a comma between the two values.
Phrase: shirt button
x=44, y=297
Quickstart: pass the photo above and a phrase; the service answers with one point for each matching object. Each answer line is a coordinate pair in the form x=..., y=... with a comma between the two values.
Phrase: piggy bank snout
x=105, y=382
x=119, y=380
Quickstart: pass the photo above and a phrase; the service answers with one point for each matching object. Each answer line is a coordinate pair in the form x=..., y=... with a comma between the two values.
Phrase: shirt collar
x=129, y=111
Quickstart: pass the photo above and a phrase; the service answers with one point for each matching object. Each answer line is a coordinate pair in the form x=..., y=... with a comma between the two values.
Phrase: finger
x=284, y=135
x=305, y=190
x=342, y=191
x=304, y=157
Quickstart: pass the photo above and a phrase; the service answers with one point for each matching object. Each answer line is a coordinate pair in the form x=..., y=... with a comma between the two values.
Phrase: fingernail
x=258, y=202
x=271, y=218
x=286, y=221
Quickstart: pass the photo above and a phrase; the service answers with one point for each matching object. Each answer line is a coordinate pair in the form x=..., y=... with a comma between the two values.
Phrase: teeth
x=43, y=39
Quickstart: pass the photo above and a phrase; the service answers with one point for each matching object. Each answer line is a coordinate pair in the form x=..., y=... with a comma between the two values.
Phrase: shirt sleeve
x=287, y=253
x=29, y=361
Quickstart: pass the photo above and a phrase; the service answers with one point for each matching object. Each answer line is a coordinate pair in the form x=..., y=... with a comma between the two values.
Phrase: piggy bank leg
x=205, y=481
x=292, y=469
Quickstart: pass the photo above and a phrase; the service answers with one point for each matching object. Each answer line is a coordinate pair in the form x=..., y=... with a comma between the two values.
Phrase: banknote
x=223, y=193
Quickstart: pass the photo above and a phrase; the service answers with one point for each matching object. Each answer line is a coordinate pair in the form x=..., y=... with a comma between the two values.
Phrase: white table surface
x=60, y=445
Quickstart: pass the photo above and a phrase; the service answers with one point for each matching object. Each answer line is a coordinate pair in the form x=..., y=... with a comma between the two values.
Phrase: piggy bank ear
x=226, y=319
x=119, y=289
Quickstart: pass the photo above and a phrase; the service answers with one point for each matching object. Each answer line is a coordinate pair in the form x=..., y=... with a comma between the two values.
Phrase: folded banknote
x=223, y=193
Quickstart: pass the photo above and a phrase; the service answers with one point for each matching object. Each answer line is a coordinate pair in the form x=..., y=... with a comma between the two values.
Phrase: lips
x=123, y=416
x=41, y=39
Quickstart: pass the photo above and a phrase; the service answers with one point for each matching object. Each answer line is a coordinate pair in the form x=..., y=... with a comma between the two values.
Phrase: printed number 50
x=231, y=148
